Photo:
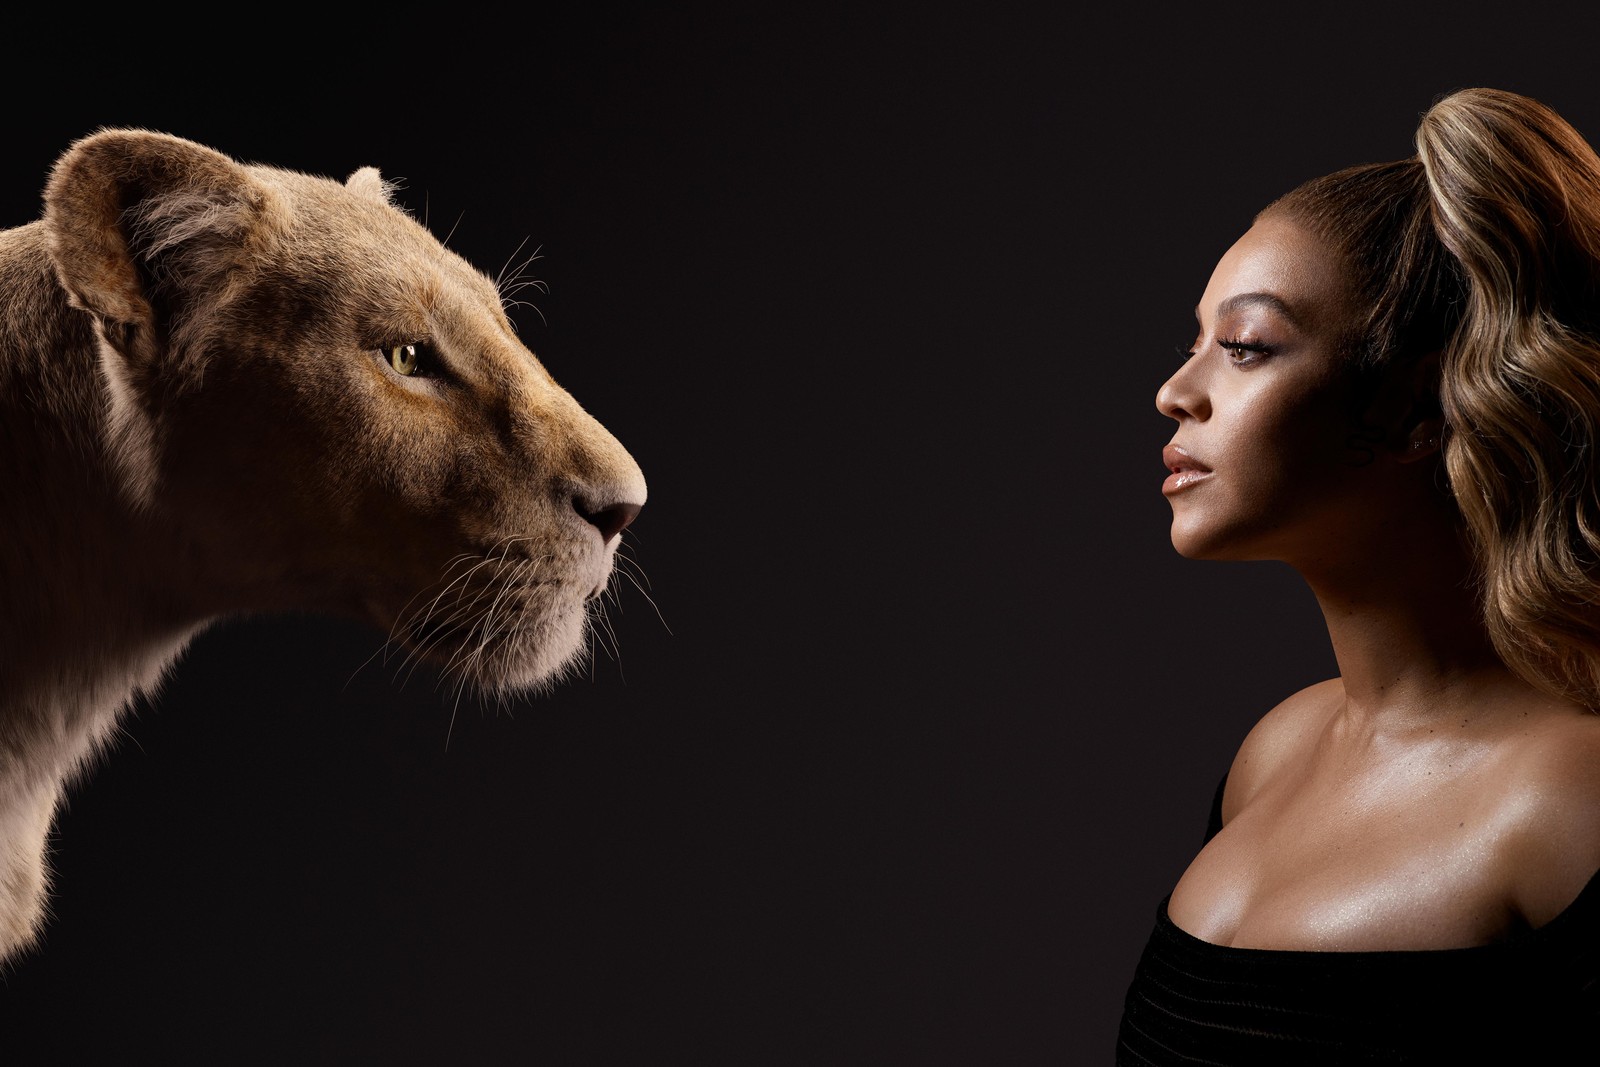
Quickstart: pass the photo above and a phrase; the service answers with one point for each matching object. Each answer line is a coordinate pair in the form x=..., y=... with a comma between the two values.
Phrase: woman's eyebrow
x=1233, y=303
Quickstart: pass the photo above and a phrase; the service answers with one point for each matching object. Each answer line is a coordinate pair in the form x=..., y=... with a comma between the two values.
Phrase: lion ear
x=137, y=218
x=369, y=183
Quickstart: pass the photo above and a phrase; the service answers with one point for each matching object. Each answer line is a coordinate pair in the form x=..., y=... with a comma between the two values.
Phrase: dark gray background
x=931, y=713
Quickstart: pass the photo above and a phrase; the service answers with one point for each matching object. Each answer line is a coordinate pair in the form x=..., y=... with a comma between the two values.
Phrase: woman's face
x=1261, y=461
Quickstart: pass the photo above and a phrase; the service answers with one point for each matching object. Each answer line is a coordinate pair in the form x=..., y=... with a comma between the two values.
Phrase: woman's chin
x=1193, y=543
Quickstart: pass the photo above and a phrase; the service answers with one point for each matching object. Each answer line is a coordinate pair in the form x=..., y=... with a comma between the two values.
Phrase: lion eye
x=403, y=358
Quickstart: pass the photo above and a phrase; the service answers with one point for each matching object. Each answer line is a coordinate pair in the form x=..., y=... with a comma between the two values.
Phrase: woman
x=1395, y=388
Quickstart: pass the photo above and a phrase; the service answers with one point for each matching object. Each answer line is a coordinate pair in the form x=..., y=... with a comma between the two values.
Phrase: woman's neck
x=1408, y=636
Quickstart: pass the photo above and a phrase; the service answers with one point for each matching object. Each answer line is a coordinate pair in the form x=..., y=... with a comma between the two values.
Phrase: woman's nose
x=1183, y=395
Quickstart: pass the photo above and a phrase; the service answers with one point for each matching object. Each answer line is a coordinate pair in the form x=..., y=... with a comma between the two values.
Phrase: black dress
x=1534, y=999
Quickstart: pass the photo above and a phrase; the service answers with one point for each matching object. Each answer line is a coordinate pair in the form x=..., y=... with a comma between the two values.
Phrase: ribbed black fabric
x=1531, y=1000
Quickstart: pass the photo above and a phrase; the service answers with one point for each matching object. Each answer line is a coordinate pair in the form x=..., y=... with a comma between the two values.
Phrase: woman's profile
x=1395, y=389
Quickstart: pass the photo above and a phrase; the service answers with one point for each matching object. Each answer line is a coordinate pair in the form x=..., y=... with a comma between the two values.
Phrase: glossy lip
x=1186, y=470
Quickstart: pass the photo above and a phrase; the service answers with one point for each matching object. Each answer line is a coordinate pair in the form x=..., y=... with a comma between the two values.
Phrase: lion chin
x=199, y=354
x=505, y=642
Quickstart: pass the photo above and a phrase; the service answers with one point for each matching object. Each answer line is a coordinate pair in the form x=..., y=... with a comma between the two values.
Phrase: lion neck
x=97, y=604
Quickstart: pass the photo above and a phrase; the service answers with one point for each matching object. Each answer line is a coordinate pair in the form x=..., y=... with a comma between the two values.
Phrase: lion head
x=314, y=405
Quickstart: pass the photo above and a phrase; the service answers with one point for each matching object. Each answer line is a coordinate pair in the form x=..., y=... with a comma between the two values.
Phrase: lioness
x=231, y=388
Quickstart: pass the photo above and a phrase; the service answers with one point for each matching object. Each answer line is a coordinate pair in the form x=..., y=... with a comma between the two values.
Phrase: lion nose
x=609, y=521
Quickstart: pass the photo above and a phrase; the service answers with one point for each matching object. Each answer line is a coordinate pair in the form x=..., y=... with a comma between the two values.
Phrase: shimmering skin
x=1426, y=797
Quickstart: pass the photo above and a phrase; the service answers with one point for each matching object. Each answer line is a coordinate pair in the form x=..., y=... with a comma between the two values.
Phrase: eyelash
x=1234, y=345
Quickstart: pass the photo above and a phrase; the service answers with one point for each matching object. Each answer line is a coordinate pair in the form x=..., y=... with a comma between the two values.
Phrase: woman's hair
x=1485, y=248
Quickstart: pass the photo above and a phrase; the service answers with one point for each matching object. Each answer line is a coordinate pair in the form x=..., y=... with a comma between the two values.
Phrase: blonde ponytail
x=1515, y=197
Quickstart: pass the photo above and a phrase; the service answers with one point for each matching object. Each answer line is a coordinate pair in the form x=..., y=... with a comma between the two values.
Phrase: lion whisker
x=525, y=304
x=648, y=598
x=401, y=614
x=498, y=278
x=444, y=629
x=461, y=608
x=516, y=272
x=385, y=647
x=452, y=233
x=601, y=624
x=509, y=286
x=490, y=624
x=489, y=627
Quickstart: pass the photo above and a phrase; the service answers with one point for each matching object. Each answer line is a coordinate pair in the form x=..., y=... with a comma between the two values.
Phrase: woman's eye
x=403, y=358
x=1245, y=351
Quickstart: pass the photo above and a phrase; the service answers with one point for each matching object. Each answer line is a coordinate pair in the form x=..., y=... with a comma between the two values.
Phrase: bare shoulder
x=1281, y=735
x=1551, y=813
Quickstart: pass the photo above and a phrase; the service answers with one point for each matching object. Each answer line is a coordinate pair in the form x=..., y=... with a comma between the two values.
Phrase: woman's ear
x=1424, y=439
x=1421, y=426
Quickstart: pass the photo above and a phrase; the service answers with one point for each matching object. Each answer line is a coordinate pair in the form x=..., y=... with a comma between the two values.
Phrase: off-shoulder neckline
x=1588, y=899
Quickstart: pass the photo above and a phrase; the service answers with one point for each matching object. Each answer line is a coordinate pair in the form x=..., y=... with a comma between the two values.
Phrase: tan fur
x=197, y=420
